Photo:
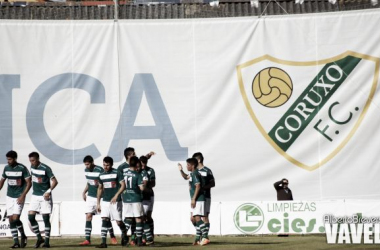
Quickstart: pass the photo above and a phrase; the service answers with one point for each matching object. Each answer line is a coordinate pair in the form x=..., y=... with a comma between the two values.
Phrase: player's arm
x=152, y=179
x=85, y=192
x=99, y=195
x=141, y=183
x=196, y=193
x=210, y=185
x=53, y=184
x=278, y=185
x=150, y=154
x=152, y=183
x=145, y=181
x=185, y=176
x=2, y=182
x=21, y=198
x=121, y=189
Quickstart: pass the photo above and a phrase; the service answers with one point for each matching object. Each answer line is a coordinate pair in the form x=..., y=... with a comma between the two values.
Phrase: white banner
x=237, y=218
x=261, y=98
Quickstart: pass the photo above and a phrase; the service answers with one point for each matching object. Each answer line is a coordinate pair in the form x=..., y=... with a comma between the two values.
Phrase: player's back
x=133, y=180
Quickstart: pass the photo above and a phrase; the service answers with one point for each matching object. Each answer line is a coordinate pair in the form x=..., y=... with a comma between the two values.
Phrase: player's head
x=11, y=157
x=199, y=157
x=34, y=159
x=285, y=183
x=192, y=163
x=129, y=152
x=134, y=162
x=88, y=161
x=107, y=163
x=144, y=161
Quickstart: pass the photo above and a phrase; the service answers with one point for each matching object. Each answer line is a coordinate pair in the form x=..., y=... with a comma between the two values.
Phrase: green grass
x=217, y=242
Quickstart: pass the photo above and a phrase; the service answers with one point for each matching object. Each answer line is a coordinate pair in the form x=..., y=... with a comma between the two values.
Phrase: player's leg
x=149, y=216
x=133, y=232
x=139, y=231
x=90, y=211
x=46, y=219
x=207, y=213
x=116, y=214
x=127, y=223
x=11, y=204
x=138, y=213
x=35, y=227
x=34, y=208
x=20, y=228
x=112, y=234
x=87, y=230
x=105, y=214
x=199, y=211
x=144, y=220
x=13, y=227
x=150, y=222
x=197, y=231
x=147, y=234
x=46, y=209
x=104, y=230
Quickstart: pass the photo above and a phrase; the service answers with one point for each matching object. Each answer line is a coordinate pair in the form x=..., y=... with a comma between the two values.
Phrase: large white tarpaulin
x=262, y=99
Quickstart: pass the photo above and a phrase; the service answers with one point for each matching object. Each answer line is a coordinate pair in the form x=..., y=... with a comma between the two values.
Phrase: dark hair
x=144, y=159
x=34, y=155
x=198, y=156
x=134, y=161
x=109, y=160
x=12, y=154
x=128, y=151
x=192, y=161
x=88, y=158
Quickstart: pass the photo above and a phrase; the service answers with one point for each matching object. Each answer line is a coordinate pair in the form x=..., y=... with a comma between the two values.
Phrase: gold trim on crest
x=239, y=68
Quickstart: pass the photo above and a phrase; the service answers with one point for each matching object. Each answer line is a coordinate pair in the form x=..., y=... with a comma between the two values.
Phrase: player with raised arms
x=41, y=202
x=128, y=153
x=197, y=207
x=19, y=185
x=148, y=197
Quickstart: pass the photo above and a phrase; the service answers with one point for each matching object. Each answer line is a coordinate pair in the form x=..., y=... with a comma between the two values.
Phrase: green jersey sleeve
x=3, y=175
x=140, y=180
x=152, y=176
x=196, y=179
x=25, y=173
x=49, y=173
x=120, y=176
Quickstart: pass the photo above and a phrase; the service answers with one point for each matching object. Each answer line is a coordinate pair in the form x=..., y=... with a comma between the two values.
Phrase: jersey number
x=129, y=180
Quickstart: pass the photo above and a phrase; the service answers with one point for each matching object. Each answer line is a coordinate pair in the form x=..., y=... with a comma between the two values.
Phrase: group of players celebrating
x=124, y=195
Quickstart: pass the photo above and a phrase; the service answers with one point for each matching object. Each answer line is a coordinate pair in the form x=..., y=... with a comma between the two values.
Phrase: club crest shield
x=308, y=111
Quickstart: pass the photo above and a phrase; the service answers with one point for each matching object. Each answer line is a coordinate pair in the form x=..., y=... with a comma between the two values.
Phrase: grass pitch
x=217, y=242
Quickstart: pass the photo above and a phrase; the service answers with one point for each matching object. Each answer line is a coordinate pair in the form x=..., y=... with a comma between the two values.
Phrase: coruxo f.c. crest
x=308, y=111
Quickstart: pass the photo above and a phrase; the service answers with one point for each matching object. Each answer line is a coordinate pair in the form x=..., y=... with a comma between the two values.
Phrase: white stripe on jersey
x=39, y=172
x=9, y=173
x=203, y=173
x=108, y=176
x=92, y=174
